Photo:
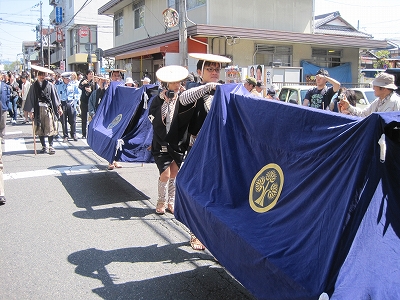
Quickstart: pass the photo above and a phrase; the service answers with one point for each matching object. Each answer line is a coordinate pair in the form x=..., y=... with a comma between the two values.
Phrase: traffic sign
x=83, y=31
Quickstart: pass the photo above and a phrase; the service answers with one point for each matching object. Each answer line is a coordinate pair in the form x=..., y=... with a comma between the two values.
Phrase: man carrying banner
x=168, y=156
x=197, y=102
x=43, y=99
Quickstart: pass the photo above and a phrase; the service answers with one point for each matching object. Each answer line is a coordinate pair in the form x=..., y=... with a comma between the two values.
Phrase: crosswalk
x=18, y=144
x=73, y=170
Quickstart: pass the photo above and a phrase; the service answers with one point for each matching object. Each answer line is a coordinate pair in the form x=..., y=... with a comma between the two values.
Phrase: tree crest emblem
x=266, y=188
x=115, y=122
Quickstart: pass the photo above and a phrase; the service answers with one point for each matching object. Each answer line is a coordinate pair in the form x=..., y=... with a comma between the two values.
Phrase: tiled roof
x=322, y=26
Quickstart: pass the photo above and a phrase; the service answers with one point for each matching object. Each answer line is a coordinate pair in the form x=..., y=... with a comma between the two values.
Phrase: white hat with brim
x=42, y=69
x=129, y=80
x=172, y=73
x=146, y=79
x=210, y=57
x=385, y=80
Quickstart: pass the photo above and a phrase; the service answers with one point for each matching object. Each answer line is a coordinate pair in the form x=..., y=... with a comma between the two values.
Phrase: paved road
x=71, y=229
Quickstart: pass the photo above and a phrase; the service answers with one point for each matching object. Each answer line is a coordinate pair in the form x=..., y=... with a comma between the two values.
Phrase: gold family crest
x=266, y=188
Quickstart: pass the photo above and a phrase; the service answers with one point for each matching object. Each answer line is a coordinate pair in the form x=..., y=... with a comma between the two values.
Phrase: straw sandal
x=160, y=207
x=195, y=243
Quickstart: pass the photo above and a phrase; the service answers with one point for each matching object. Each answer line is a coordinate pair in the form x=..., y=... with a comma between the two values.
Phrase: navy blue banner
x=269, y=188
x=120, y=129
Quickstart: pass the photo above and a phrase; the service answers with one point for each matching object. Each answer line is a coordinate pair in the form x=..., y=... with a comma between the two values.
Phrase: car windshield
x=370, y=96
x=303, y=95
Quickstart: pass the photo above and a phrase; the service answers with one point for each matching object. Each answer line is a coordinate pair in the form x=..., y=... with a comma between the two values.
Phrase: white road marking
x=13, y=132
x=73, y=170
x=17, y=144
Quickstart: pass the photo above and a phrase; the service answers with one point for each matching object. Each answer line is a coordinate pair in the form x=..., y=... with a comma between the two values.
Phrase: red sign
x=59, y=35
x=83, y=31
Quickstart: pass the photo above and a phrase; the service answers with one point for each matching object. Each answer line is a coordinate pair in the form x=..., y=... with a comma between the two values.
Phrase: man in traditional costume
x=168, y=156
x=43, y=100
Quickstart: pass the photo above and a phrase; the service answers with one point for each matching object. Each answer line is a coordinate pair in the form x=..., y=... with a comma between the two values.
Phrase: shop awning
x=164, y=47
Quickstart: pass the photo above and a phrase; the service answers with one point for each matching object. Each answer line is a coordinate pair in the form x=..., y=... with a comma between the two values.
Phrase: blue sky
x=379, y=18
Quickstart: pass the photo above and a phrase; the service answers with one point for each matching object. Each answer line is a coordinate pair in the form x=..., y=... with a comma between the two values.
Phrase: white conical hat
x=210, y=57
x=42, y=69
x=172, y=73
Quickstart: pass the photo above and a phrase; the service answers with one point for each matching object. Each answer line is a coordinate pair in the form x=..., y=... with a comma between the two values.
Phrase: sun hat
x=172, y=73
x=210, y=57
x=251, y=80
x=146, y=79
x=384, y=80
x=42, y=69
x=129, y=80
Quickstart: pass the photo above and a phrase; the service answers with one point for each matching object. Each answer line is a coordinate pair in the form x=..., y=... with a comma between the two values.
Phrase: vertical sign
x=58, y=14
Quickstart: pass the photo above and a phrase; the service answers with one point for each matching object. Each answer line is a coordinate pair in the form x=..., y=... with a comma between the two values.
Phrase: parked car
x=396, y=73
x=364, y=96
x=294, y=94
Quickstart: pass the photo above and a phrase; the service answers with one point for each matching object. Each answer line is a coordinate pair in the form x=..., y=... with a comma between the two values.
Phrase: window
x=327, y=58
x=194, y=3
x=190, y=4
x=119, y=23
x=272, y=55
x=138, y=12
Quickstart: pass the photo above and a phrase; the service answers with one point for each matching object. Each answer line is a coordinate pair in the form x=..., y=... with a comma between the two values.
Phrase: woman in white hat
x=384, y=89
x=129, y=82
x=167, y=155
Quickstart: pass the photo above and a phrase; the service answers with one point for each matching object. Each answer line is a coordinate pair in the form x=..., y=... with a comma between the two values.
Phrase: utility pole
x=41, y=35
x=48, y=46
x=183, y=47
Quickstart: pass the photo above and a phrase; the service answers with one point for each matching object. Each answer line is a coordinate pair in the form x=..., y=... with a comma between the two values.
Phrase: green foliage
x=382, y=62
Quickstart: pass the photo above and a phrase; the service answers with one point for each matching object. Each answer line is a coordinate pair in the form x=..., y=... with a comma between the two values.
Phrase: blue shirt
x=68, y=92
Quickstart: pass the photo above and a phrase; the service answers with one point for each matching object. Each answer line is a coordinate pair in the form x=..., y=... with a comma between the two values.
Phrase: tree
x=382, y=62
x=12, y=66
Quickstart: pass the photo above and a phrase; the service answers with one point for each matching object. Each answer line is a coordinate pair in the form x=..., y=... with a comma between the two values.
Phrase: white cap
x=146, y=80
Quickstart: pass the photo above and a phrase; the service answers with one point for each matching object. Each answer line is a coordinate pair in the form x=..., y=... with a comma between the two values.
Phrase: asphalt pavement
x=71, y=229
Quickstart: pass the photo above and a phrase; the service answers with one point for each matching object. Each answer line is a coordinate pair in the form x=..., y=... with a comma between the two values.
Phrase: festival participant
x=250, y=85
x=97, y=95
x=387, y=99
x=43, y=99
x=129, y=82
x=168, y=156
x=87, y=86
x=116, y=75
x=24, y=93
x=201, y=97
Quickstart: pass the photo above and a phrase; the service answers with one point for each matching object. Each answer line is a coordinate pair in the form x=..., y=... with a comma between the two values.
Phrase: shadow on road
x=206, y=282
x=94, y=189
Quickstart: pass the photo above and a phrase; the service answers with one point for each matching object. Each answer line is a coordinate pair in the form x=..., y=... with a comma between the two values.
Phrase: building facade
x=79, y=34
x=286, y=36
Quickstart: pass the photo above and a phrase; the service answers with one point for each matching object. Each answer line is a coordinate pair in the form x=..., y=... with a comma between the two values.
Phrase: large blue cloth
x=341, y=73
x=269, y=187
x=120, y=129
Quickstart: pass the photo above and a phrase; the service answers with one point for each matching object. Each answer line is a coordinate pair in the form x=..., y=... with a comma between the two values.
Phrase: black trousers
x=68, y=117
x=84, y=114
